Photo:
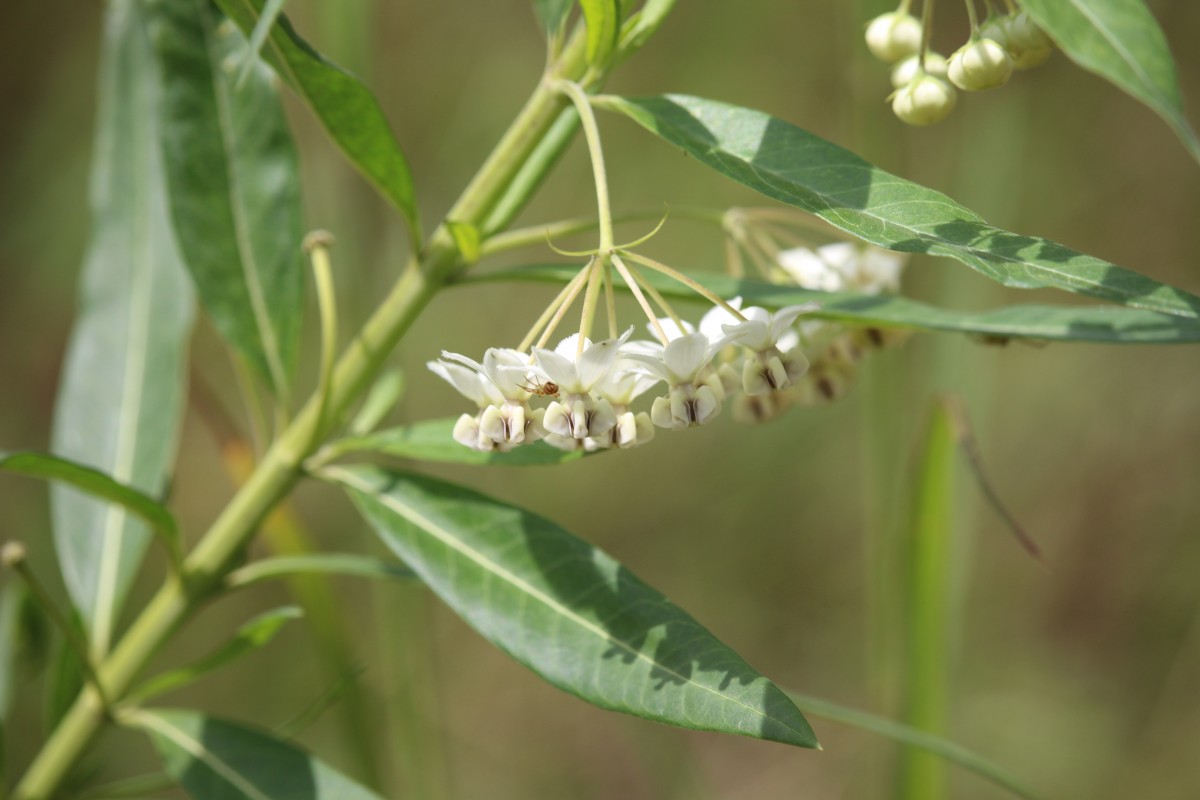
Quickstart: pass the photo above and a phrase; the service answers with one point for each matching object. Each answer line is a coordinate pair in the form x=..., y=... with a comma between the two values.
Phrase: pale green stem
x=556, y=309
x=657, y=297
x=974, y=20
x=591, y=134
x=610, y=302
x=926, y=30
x=678, y=276
x=632, y=283
x=317, y=245
x=590, y=298
x=733, y=258
x=580, y=280
x=280, y=468
x=250, y=401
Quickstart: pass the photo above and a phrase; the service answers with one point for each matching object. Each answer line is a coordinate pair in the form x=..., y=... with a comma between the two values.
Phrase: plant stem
x=536, y=234
x=676, y=275
x=591, y=133
x=280, y=468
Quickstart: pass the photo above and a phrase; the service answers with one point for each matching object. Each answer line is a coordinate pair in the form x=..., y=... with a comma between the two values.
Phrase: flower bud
x=924, y=101
x=894, y=36
x=978, y=65
x=904, y=72
x=1027, y=43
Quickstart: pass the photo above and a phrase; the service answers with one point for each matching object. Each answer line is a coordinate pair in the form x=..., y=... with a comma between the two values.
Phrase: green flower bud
x=894, y=36
x=906, y=70
x=1028, y=44
x=925, y=100
x=978, y=65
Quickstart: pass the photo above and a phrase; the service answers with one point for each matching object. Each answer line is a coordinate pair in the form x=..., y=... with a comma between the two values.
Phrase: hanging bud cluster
x=925, y=81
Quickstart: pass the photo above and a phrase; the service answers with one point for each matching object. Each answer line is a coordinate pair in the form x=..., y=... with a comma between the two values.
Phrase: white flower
x=623, y=384
x=844, y=266
x=505, y=419
x=693, y=399
x=777, y=360
x=578, y=414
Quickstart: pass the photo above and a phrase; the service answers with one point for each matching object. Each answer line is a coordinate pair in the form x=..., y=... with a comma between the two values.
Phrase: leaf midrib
x=492, y=567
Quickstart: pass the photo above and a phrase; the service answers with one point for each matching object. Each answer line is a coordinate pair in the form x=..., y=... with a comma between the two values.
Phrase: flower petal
x=686, y=356
x=559, y=368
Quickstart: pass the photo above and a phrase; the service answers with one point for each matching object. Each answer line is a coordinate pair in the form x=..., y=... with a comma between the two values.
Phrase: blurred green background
x=1080, y=677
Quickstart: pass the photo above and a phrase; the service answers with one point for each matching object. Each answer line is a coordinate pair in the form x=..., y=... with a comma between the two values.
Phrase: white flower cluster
x=748, y=356
x=834, y=350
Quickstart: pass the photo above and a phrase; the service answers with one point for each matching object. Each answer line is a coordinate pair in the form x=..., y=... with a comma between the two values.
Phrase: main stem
x=280, y=468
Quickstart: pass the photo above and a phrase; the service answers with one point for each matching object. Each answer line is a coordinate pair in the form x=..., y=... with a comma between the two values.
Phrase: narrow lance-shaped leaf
x=121, y=399
x=97, y=484
x=234, y=185
x=214, y=759
x=251, y=636
x=1099, y=324
x=603, y=20
x=552, y=14
x=350, y=113
x=1121, y=41
x=794, y=166
x=567, y=610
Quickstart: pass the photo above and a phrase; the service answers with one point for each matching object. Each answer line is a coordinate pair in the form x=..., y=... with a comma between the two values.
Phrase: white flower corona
x=894, y=36
x=777, y=361
x=844, y=266
x=692, y=398
x=579, y=415
x=505, y=419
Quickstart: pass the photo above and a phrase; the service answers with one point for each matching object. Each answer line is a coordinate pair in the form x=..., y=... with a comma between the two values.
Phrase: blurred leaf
x=234, y=185
x=805, y=171
x=552, y=13
x=1121, y=41
x=432, y=440
x=1101, y=324
x=63, y=683
x=350, y=113
x=928, y=562
x=644, y=23
x=466, y=239
x=385, y=393
x=218, y=760
x=24, y=641
x=97, y=484
x=603, y=19
x=817, y=707
x=568, y=611
x=121, y=400
x=251, y=636
x=318, y=563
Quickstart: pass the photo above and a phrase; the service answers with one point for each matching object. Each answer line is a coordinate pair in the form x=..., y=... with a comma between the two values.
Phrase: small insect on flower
x=540, y=388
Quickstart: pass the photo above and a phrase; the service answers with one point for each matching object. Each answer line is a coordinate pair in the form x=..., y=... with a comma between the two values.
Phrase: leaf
x=643, y=24
x=214, y=759
x=253, y=635
x=346, y=108
x=567, y=610
x=1120, y=41
x=1100, y=324
x=603, y=19
x=432, y=440
x=121, y=400
x=552, y=14
x=805, y=171
x=321, y=564
x=234, y=185
x=97, y=484
x=466, y=239
x=912, y=737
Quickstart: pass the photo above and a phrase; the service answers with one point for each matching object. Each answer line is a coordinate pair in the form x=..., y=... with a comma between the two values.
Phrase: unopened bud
x=980, y=64
x=904, y=72
x=925, y=100
x=894, y=36
x=13, y=553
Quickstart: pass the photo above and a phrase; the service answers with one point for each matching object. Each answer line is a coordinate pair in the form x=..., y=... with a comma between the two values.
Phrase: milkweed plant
x=196, y=209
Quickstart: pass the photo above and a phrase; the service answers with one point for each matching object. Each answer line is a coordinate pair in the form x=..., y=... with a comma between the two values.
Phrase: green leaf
x=794, y=166
x=567, y=610
x=1120, y=41
x=97, y=484
x=234, y=185
x=817, y=707
x=1100, y=324
x=466, y=239
x=122, y=393
x=343, y=564
x=603, y=19
x=432, y=440
x=64, y=680
x=643, y=24
x=215, y=759
x=251, y=636
x=350, y=113
x=552, y=14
